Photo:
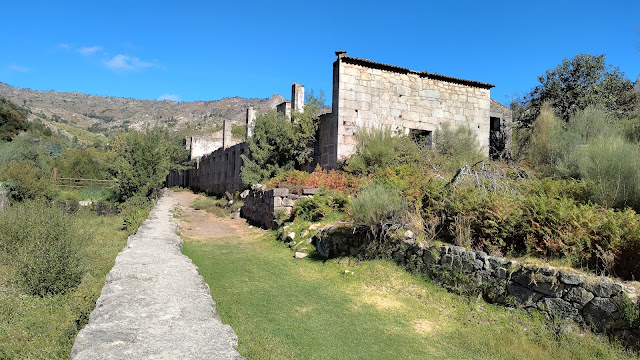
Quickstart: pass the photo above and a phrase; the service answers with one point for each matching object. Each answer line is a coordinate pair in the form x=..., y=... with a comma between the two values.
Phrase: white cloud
x=18, y=68
x=126, y=63
x=65, y=46
x=170, y=97
x=89, y=50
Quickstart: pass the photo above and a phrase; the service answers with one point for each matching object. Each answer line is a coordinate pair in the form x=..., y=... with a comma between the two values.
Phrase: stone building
x=366, y=94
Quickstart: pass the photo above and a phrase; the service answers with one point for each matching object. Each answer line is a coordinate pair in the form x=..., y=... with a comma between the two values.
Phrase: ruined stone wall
x=261, y=206
x=215, y=173
x=327, y=142
x=202, y=145
x=500, y=138
x=598, y=302
x=366, y=97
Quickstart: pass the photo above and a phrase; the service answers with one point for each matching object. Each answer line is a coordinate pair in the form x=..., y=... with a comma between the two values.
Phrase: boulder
x=571, y=279
x=603, y=289
x=578, y=296
x=523, y=296
x=558, y=308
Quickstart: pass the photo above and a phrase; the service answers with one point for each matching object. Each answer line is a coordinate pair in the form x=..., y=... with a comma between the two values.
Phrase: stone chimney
x=226, y=134
x=341, y=53
x=251, y=119
x=297, y=98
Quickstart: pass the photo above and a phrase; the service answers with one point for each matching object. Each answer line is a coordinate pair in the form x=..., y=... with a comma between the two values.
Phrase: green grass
x=84, y=136
x=80, y=194
x=45, y=328
x=211, y=205
x=286, y=308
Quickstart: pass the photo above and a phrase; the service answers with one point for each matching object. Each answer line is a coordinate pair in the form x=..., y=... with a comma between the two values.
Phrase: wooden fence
x=81, y=183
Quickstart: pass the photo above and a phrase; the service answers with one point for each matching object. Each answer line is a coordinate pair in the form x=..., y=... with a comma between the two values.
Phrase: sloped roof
x=401, y=70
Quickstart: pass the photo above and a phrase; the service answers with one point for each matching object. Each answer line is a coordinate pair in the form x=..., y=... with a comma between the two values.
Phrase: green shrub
x=610, y=167
x=88, y=163
x=544, y=146
x=631, y=129
x=320, y=205
x=458, y=144
x=280, y=144
x=135, y=211
x=212, y=205
x=142, y=161
x=239, y=131
x=236, y=206
x=378, y=208
x=26, y=147
x=44, y=245
x=379, y=148
x=24, y=181
x=373, y=150
x=12, y=119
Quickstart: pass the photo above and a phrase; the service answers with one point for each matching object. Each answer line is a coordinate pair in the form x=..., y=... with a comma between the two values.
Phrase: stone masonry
x=368, y=94
x=262, y=206
x=154, y=304
x=597, y=302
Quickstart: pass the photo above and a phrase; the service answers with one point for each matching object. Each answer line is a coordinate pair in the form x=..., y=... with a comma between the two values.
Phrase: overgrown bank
x=44, y=327
x=282, y=307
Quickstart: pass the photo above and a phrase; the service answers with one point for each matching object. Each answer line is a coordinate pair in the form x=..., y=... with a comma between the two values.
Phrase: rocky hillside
x=103, y=115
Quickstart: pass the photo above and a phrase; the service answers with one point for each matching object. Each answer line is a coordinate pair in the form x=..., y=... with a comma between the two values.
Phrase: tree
x=280, y=145
x=12, y=119
x=88, y=163
x=577, y=83
x=143, y=160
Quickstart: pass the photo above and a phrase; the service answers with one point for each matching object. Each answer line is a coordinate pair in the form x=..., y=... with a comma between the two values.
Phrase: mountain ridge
x=106, y=114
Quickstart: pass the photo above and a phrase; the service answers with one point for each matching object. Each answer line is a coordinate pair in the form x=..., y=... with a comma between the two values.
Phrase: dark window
x=422, y=137
x=495, y=124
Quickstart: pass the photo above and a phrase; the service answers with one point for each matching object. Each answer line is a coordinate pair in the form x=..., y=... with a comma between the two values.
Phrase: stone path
x=154, y=304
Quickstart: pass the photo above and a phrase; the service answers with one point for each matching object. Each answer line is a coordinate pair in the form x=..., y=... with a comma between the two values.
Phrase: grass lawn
x=286, y=308
x=45, y=328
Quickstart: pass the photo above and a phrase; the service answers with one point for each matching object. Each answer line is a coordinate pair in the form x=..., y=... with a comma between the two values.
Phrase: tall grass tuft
x=378, y=208
x=610, y=167
x=542, y=150
x=44, y=246
x=457, y=144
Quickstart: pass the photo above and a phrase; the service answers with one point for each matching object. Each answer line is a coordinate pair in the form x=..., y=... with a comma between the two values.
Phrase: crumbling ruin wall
x=368, y=94
x=264, y=206
x=501, y=127
x=202, y=145
x=327, y=139
x=215, y=173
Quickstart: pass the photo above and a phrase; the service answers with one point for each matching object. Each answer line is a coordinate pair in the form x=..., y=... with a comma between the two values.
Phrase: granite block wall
x=215, y=173
x=366, y=96
x=600, y=303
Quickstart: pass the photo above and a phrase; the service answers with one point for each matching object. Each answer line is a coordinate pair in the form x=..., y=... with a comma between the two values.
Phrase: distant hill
x=103, y=115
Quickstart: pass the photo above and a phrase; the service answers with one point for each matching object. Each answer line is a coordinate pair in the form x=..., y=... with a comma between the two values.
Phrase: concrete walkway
x=154, y=304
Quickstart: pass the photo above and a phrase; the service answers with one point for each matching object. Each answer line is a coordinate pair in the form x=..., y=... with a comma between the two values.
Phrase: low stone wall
x=261, y=207
x=266, y=208
x=600, y=303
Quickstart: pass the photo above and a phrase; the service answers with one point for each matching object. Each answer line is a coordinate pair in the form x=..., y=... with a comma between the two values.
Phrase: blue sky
x=207, y=50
